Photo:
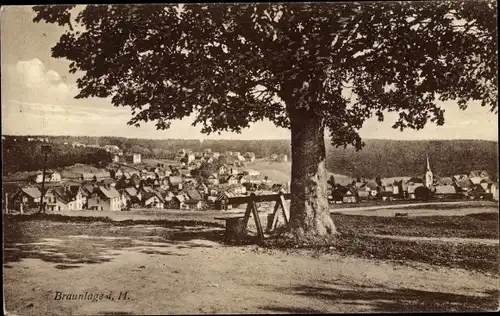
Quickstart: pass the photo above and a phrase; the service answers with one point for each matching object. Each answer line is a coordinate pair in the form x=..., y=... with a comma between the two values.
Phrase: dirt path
x=200, y=276
x=492, y=242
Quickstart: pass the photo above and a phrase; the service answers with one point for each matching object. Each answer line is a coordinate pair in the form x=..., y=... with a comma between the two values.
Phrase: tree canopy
x=234, y=64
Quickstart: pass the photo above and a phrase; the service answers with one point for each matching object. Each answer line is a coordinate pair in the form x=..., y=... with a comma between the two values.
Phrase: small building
x=242, y=179
x=444, y=181
x=194, y=204
x=252, y=173
x=26, y=198
x=231, y=180
x=175, y=182
x=105, y=199
x=282, y=158
x=223, y=170
x=111, y=148
x=190, y=157
x=212, y=179
x=153, y=200
x=133, y=158
x=444, y=191
x=61, y=199
x=349, y=196
x=249, y=156
x=483, y=174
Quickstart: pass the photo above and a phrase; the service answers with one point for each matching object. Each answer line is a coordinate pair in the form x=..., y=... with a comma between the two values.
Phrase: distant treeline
x=392, y=158
x=166, y=148
x=384, y=158
x=22, y=155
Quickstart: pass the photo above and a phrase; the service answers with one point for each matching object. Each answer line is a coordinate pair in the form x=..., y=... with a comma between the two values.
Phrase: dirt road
x=201, y=276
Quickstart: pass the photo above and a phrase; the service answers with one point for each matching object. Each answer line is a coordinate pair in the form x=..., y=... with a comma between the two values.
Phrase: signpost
x=46, y=149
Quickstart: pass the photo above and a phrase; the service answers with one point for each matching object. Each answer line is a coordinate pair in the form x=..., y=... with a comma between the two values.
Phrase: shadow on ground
x=392, y=300
x=80, y=241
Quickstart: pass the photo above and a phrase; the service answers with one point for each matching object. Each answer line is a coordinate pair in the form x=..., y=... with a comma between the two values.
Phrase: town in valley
x=203, y=180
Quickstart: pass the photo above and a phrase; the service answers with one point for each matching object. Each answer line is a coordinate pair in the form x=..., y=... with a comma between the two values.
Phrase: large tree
x=234, y=64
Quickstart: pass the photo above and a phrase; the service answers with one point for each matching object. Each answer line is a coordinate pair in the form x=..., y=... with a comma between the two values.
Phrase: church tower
x=428, y=177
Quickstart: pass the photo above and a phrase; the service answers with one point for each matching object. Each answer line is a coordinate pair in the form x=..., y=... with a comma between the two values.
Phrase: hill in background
x=395, y=158
x=384, y=158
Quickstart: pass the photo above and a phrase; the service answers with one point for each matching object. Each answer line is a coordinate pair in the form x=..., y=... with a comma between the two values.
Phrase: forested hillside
x=384, y=158
x=21, y=155
x=390, y=158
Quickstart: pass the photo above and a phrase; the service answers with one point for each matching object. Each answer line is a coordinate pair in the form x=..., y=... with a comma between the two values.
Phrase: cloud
x=33, y=75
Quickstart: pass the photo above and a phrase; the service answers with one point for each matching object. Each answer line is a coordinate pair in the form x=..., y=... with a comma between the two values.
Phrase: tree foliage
x=231, y=65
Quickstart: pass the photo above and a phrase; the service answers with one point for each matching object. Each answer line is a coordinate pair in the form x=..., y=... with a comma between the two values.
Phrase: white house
x=133, y=158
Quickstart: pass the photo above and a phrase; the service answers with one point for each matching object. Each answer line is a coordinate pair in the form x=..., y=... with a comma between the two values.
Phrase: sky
x=38, y=99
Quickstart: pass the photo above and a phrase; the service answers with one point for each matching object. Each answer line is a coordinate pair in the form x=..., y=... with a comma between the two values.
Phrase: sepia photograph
x=250, y=158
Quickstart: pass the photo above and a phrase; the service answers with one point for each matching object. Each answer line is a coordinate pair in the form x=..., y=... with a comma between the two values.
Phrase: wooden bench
x=235, y=228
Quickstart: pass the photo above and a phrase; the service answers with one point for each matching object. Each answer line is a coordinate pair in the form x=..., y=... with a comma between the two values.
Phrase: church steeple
x=428, y=177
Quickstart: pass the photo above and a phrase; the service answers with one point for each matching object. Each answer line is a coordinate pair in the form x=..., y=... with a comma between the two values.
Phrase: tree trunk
x=309, y=209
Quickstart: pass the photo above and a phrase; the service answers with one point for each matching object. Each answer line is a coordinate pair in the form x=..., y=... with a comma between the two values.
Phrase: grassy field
x=482, y=225
x=281, y=171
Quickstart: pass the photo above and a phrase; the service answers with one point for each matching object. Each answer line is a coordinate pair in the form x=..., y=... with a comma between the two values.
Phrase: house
x=463, y=185
x=194, y=204
x=349, y=196
x=177, y=202
x=130, y=196
x=133, y=158
x=277, y=187
x=460, y=177
x=61, y=199
x=274, y=157
x=38, y=178
x=190, y=157
x=494, y=190
x=231, y=180
x=55, y=177
x=149, y=175
x=117, y=174
x=135, y=182
x=185, y=173
x=108, y=181
x=202, y=187
x=238, y=189
x=175, y=182
x=50, y=176
x=153, y=200
x=442, y=191
x=223, y=170
x=242, y=179
x=194, y=195
x=483, y=174
x=111, y=148
x=283, y=158
x=251, y=172
x=212, y=179
x=26, y=198
x=249, y=156
x=475, y=180
x=80, y=194
x=105, y=198
x=444, y=181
